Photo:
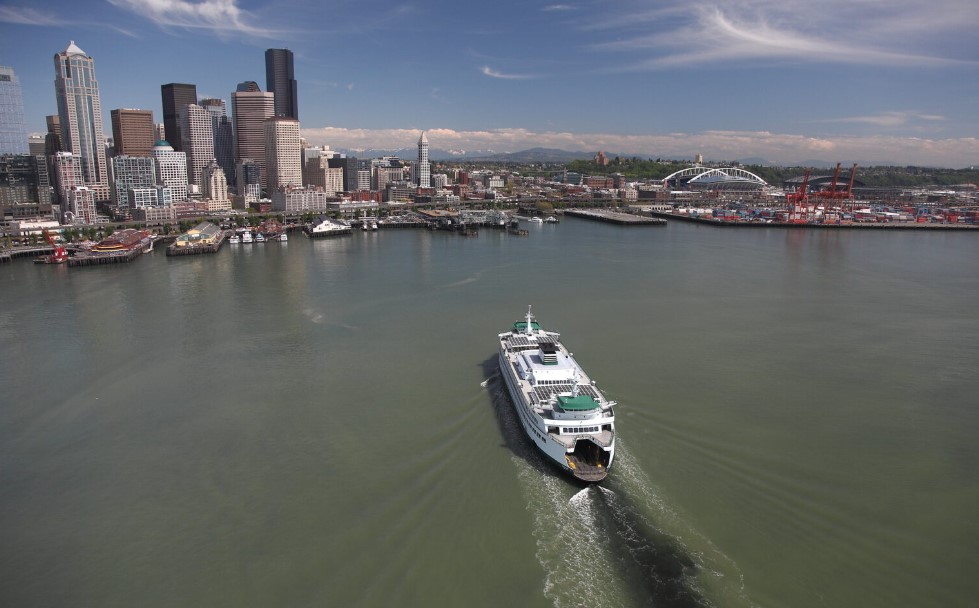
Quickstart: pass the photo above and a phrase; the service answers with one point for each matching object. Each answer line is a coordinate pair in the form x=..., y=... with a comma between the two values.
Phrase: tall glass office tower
x=80, y=111
x=13, y=133
x=280, y=79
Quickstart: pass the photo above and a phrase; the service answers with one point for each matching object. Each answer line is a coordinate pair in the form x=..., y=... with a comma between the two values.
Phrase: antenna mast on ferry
x=530, y=318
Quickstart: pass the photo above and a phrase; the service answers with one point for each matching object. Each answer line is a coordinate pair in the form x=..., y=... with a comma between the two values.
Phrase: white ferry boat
x=559, y=406
x=327, y=227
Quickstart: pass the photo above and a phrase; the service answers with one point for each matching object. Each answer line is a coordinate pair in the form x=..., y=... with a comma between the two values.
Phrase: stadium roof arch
x=712, y=178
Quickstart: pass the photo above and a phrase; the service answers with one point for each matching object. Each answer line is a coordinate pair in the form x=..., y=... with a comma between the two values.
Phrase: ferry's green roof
x=522, y=325
x=579, y=403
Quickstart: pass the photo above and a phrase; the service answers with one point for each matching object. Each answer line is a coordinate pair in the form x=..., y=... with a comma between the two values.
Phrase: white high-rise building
x=82, y=205
x=423, y=169
x=67, y=175
x=129, y=172
x=80, y=112
x=283, y=153
x=198, y=141
x=171, y=169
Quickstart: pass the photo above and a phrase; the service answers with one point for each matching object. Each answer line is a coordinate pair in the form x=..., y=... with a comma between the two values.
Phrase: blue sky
x=787, y=80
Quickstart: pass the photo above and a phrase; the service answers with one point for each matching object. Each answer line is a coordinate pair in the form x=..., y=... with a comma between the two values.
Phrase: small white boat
x=259, y=238
x=234, y=239
x=283, y=237
x=246, y=237
x=536, y=220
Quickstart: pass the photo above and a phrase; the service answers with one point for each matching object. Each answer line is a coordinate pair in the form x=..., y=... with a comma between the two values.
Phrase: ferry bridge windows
x=577, y=430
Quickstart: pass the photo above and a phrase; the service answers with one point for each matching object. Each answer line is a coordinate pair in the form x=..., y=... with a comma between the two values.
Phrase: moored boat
x=560, y=408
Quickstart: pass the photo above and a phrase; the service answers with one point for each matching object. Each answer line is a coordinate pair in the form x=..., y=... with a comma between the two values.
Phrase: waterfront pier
x=615, y=217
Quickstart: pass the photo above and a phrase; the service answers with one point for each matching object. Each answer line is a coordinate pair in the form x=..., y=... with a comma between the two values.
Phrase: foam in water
x=612, y=546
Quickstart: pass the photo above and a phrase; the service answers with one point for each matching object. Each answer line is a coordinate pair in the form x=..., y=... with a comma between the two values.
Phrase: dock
x=713, y=221
x=203, y=238
x=615, y=217
x=98, y=259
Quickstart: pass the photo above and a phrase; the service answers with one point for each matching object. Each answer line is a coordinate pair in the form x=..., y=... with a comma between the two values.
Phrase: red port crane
x=59, y=255
x=833, y=193
x=797, y=202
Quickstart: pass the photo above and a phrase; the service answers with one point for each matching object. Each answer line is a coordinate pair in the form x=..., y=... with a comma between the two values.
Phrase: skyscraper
x=283, y=154
x=128, y=173
x=171, y=169
x=215, y=188
x=133, y=132
x=280, y=80
x=13, y=132
x=195, y=128
x=80, y=112
x=175, y=96
x=249, y=109
x=423, y=170
x=224, y=136
x=67, y=175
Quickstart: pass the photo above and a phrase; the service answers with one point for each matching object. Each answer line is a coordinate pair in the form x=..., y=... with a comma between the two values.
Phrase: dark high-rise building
x=24, y=179
x=175, y=96
x=224, y=139
x=133, y=132
x=280, y=79
x=250, y=106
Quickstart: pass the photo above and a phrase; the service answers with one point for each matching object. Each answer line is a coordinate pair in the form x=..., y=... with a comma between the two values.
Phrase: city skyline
x=787, y=82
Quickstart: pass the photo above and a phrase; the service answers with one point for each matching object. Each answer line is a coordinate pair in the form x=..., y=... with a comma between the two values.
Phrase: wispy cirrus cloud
x=220, y=16
x=896, y=33
x=22, y=15
x=488, y=71
x=786, y=148
x=558, y=7
x=890, y=119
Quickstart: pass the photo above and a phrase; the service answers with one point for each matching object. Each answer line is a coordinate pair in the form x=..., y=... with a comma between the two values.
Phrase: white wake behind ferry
x=559, y=406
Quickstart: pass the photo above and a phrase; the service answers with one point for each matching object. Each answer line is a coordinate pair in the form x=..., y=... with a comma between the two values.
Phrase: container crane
x=58, y=256
x=797, y=202
x=834, y=194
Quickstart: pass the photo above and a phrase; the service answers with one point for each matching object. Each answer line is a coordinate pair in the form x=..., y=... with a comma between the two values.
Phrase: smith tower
x=424, y=170
x=280, y=79
x=80, y=111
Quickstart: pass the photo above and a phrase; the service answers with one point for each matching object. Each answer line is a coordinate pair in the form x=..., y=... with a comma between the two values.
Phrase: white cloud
x=27, y=16
x=497, y=74
x=779, y=147
x=894, y=33
x=221, y=16
x=890, y=119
